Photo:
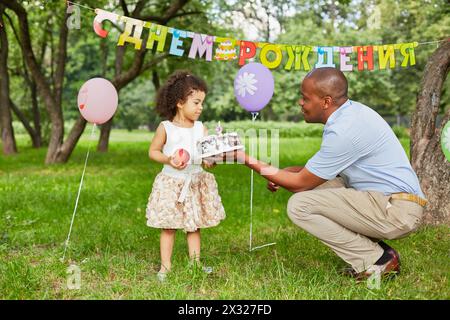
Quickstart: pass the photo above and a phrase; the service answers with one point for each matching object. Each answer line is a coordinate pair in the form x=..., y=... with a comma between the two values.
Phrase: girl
x=184, y=196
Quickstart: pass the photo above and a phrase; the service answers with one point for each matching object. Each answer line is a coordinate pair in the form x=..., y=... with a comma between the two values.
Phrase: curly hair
x=176, y=90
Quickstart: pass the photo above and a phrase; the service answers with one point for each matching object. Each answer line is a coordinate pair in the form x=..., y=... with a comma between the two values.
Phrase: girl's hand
x=178, y=166
x=208, y=164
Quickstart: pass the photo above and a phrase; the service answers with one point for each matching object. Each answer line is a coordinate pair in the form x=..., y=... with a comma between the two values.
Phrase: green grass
x=119, y=255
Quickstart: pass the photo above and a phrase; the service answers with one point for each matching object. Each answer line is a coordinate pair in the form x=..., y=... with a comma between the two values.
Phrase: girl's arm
x=155, y=152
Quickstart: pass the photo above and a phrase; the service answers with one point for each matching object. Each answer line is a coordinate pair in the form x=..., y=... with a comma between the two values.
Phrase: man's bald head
x=322, y=91
x=329, y=82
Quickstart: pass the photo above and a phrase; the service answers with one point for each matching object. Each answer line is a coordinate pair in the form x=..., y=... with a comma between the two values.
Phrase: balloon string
x=254, y=115
x=264, y=245
x=251, y=209
x=79, y=191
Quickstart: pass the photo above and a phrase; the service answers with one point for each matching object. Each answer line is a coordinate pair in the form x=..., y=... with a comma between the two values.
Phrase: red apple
x=181, y=156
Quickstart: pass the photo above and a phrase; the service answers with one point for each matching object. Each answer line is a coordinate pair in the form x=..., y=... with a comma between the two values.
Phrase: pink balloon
x=97, y=100
x=181, y=156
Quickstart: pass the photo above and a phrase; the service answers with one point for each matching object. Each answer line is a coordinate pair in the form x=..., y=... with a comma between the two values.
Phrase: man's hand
x=272, y=186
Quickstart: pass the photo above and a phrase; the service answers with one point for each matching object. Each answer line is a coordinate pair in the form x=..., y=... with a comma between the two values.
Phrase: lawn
x=118, y=255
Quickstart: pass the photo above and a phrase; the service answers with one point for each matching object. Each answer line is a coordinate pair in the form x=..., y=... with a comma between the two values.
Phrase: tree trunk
x=105, y=131
x=427, y=157
x=7, y=132
x=151, y=125
x=53, y=108
x=35, y=134
x=65, y=150
x=35, y=138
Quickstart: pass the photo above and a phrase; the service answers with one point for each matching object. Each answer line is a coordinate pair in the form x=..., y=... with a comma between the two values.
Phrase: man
x=359, y=188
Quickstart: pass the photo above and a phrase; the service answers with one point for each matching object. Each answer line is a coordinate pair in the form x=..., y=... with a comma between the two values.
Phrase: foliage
x=285, y=129
x=400, y=132
x=390, y=92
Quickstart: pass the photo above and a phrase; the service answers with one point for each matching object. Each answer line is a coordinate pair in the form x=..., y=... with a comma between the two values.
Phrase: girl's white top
x=183, y=138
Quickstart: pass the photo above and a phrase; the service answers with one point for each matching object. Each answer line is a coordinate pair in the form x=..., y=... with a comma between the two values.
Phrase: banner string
x=80, y=5
x=79, y=191
x=419, y=43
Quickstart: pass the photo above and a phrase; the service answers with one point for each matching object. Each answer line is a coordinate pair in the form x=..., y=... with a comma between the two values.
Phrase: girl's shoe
x=198, y=265
x=207, y=270
x=161, y=276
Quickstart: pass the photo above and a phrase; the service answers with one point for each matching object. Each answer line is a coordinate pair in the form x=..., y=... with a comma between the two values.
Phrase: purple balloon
x=253, y=86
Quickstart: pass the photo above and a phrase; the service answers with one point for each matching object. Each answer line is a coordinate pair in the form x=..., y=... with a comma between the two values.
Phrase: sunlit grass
x=119, y=255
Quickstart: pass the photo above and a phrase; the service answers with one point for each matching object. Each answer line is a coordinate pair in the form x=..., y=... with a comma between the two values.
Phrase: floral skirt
x=201, y=208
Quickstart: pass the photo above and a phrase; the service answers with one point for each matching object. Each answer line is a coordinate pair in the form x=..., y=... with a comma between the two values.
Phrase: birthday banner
x=297, y=57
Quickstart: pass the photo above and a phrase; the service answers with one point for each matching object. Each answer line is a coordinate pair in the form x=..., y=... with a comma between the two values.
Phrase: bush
x=286, y=129
x=401, y=132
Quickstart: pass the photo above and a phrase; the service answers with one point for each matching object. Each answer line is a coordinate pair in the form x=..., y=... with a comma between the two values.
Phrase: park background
x=117, y=254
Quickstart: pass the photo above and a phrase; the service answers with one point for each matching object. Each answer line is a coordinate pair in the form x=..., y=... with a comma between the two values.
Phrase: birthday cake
x=226, y=51
x=219, y=143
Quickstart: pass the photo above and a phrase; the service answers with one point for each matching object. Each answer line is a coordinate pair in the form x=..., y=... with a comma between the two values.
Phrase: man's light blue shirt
x=360, y=146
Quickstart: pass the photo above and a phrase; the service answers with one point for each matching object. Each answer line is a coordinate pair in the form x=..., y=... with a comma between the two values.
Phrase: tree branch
x=125, y=77
x=161, y=20
x=16, y=35
x=138, y=9
x=169, y=14
x=154, y=62
x=124, y=8
x=22, y=118
x=61, y=59
x=28, y=52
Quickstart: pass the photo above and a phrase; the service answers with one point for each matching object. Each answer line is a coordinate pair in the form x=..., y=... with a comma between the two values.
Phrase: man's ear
x=327, y=102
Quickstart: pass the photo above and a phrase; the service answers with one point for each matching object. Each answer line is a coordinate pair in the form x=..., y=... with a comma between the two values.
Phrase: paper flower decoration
x=245, y=84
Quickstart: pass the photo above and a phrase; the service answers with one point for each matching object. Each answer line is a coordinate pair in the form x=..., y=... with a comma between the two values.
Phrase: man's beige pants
x=346, y=220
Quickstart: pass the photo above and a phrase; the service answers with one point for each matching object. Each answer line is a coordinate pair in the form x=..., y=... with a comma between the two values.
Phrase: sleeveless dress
x=185, y=199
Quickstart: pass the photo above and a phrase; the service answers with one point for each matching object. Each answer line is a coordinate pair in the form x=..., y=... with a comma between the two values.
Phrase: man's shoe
x=389, y=269
x=389, y=249
x=348, y=271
